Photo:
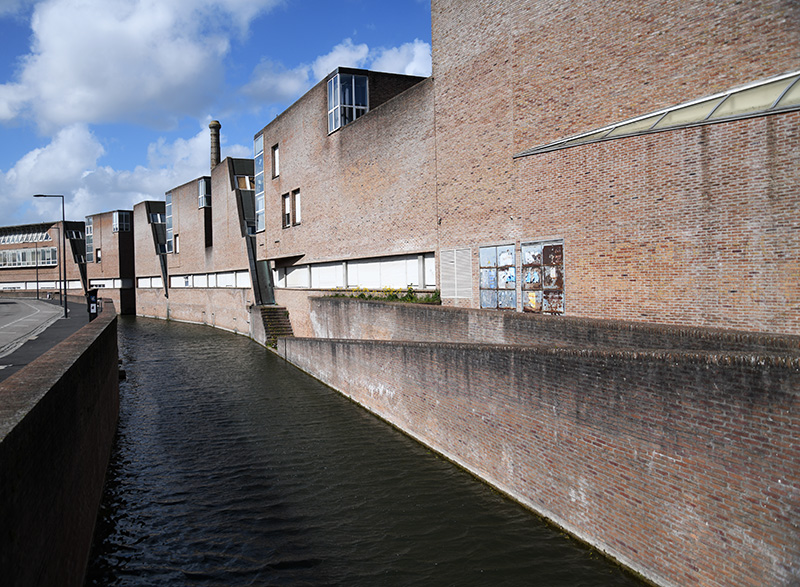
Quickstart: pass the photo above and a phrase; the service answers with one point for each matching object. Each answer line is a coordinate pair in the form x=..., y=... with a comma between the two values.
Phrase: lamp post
x=63, y=247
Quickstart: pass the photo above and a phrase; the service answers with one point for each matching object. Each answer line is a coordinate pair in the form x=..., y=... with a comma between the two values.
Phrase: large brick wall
x=58, y=417
x=682, y=465
x=694, y=226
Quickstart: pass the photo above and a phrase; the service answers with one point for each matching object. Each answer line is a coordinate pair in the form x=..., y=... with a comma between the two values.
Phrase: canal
x=231, y=467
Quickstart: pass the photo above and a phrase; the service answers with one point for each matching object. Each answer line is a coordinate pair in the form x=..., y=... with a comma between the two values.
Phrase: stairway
x=276, y=323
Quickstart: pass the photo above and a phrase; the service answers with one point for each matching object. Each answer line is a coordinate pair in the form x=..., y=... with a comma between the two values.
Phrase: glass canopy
x=757, y=99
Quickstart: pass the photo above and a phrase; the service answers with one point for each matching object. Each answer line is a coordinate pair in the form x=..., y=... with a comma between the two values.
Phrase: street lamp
x=63, y=247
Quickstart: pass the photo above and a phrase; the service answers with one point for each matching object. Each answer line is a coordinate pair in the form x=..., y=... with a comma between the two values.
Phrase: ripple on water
x=233, y=468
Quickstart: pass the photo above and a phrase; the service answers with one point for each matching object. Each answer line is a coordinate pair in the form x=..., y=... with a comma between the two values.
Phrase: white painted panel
x=298, y=276
x=243, y=279
x=156, y=282
x=176, y=281
x=463, y=273
x=447, y=264
x=369, y=274
x=412, y=271
x=143, y=283
x=74, y=284
x=201, y=280
x=430, y=270
x=17, y=285
x=352, y=274
x=226, y=280
x=327, y=276
x=212, y=280
x=393, y=273
x=105, y=283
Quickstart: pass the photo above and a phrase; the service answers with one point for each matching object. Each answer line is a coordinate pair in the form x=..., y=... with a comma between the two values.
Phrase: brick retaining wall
x=359, y=319
x=58, y=418
x=681, y=464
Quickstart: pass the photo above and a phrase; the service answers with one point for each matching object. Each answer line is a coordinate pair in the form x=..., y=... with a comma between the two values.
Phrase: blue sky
x=108, y=101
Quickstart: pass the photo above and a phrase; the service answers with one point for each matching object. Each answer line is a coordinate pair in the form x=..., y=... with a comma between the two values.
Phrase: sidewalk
x=30, y=327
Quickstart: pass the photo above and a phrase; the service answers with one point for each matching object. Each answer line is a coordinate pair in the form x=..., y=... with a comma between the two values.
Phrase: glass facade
x=89, y=240
x=258, y=153
x=348, y=99
x=168, y=214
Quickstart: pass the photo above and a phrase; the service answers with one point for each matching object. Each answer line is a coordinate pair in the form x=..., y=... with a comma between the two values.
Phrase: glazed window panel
x=498, y=277
x=543, y=277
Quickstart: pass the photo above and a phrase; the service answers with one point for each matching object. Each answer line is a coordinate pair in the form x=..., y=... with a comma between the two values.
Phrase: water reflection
x=233, y=468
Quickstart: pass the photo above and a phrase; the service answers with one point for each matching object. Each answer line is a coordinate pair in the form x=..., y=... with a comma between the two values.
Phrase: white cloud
x=271, y=83
x=68, y=166
x=410, y=59
x=345, y=54
x=13, y=6
x=111, y=60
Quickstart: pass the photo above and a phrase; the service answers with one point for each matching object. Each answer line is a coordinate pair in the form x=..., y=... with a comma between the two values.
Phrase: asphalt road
x=30, y=327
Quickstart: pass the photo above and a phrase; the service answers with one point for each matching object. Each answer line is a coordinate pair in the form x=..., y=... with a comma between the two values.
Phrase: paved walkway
x=30, y=327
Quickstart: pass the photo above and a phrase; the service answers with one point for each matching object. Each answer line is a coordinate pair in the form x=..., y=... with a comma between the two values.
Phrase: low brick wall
x=682, y=465
x=58, y=417
x=359, y=319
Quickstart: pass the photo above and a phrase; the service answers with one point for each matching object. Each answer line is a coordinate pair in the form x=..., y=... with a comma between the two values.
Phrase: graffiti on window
x=543, y=277
x=498, y=277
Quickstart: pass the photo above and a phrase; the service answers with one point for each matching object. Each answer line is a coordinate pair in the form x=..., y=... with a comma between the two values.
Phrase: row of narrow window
x=41, y=257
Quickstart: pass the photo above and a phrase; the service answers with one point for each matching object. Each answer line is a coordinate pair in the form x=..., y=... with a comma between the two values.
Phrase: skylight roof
x=758, y=99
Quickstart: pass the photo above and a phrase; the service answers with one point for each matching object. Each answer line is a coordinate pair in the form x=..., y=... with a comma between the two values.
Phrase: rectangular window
x=177, y=245
x=98, y=257
x=121, y=221
x=276, y=161
x=498, y=277
x=89, y=240
x=543, y=277
x=286, y=208
x=296, y=207
x=168, y=214
x=348, y=99
x=258, y=148
x=204, y=192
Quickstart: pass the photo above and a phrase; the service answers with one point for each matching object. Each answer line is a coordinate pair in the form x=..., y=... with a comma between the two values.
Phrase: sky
x=108, y=101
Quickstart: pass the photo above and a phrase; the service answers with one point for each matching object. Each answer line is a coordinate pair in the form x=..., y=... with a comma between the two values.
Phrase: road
x=29, y=327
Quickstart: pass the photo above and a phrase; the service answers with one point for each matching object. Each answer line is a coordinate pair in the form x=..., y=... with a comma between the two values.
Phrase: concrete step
x=276, y=323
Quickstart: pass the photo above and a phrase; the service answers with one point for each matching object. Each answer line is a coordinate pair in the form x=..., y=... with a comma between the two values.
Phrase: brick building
x=626, y=160
x=110, y=257
x=637, y=164
x=32, y=258
x=193, y=250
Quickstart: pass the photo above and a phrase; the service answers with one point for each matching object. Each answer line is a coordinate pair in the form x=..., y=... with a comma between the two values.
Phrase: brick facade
x=113, y=274
x=692, y=226
x=367, y=189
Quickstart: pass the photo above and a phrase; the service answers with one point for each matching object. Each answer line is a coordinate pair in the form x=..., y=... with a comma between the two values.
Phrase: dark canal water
x=232, y=467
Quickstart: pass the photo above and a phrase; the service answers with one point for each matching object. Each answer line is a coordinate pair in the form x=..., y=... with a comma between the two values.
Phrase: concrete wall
x=681, y=464
x=225, y=308
x=58, y=417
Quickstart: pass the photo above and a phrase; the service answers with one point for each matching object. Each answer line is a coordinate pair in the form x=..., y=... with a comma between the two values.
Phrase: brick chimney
x=214, y=126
